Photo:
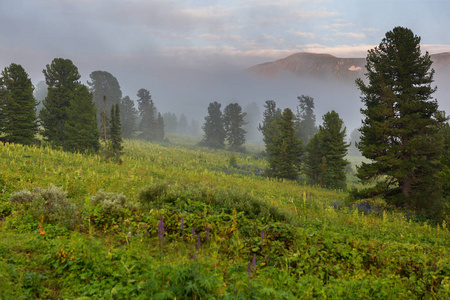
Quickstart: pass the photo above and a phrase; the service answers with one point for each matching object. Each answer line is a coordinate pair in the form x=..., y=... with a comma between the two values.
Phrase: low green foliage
x=224, y=235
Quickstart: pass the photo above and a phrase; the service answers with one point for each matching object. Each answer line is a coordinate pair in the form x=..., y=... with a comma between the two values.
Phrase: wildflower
x=161, y=228
x=182, y=222
x=207, y=232
x=197, y=247
x=262, y=233
x=254, y=261
x=193, y=232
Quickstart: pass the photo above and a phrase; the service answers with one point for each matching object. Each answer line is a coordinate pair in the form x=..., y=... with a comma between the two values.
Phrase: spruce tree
x=269, y=128
x=61, y=78
x=128, y=114
x=399, y=132
x=115, y=131
x=214, y=132
x=104, y=84
x=150, y=125
x=314, y=161
x=233, y=120
x=18, y=122
x=81, y=130
x=305, y=123
x=285, y=150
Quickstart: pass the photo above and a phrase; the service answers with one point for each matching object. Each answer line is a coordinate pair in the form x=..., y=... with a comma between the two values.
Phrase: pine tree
x=18, y=122
x=314, y=161
x=285, y=150
x=399, y=132
x=269, y=127
x=214, y=136
x=305, y=123
x=115, y=130
x=128, y=117
x=81, y=130
x=233, y=120
x=151, y=125
x=104, y=84
x=61, y=78
x=334, y=149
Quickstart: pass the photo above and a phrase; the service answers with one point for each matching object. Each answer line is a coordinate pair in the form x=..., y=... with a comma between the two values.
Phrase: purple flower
x=249, y=269
x=197, y=247
x=182, y=222
x=254, y=262
x=207, y=232
x=161, y=228
x=193, y=232
x=262, y=233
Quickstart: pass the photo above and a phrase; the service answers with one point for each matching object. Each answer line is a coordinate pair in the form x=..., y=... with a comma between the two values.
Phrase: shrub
x=111, y=206
x=49, y=205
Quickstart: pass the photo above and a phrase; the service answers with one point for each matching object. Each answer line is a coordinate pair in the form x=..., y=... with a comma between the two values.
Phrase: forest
x=102, y=199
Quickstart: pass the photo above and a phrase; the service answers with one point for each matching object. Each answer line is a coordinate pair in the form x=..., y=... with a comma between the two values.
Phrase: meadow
x=174, y=221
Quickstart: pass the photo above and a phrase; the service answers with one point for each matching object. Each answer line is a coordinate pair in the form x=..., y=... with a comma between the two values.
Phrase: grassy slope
x=320, y=252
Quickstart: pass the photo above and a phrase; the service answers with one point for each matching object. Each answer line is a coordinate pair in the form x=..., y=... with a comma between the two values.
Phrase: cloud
x=351, y=35
x=307, y=35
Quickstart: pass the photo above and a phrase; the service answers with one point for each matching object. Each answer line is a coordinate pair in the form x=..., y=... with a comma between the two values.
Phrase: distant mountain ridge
x=326, y=65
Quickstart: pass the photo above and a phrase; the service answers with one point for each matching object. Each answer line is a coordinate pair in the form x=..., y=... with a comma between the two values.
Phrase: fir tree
x=104, y=84
x=81, y=131
x=151, y=125
x=233, y=120
x=61, y=78
x=115, y=131
x=129, y=115
x=285, y=150
x=399, y=132
x=18, y=122
x=214, y=136
x=305, y=124
x=269, y=127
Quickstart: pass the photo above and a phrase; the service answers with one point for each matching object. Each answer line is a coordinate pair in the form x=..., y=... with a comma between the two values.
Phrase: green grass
x=307, y=243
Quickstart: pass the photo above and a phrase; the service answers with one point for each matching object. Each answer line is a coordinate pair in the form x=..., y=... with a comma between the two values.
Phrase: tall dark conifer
x=269, y=128
x=285, y=150
x=233, y=120
x=214, y=132
x=62, y=78
x=399, y=132
x=81, y=133
x=128, y=114
x=305, y=123
x=18, y=122
x=115, y=131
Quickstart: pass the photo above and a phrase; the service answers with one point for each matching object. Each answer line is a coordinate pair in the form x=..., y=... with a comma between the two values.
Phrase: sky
x=195, y=50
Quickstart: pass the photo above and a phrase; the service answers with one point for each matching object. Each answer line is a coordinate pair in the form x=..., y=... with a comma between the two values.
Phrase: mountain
x=325, y=65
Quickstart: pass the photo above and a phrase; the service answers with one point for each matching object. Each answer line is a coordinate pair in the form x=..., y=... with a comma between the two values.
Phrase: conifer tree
x=269, y=127
x=81, y=130
x=18, y=122
x=285, y=150
x=214, y=132
x=104, y=84
x=115, y=131
x=305, y=123
x=61, y=78
x=128, y=114
x=151, y=125
x=399, y=132
x=233, y=120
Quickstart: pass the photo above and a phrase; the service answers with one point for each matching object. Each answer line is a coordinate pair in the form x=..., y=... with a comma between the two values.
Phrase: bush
x=111, y=207
x=49, y=205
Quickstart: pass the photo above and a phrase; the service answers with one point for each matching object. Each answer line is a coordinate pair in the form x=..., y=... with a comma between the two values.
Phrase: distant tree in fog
x=269, y=126
x=18, y=121
x=305, y=123
x=183, y=125
x=252, y=117
x=355, y=137
x=115, y=129
x=170, y=122
x=128, y=114
x=40, y=93
x=214, y=132
x=104, y=84
x=151, y=124
x=233, y=120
